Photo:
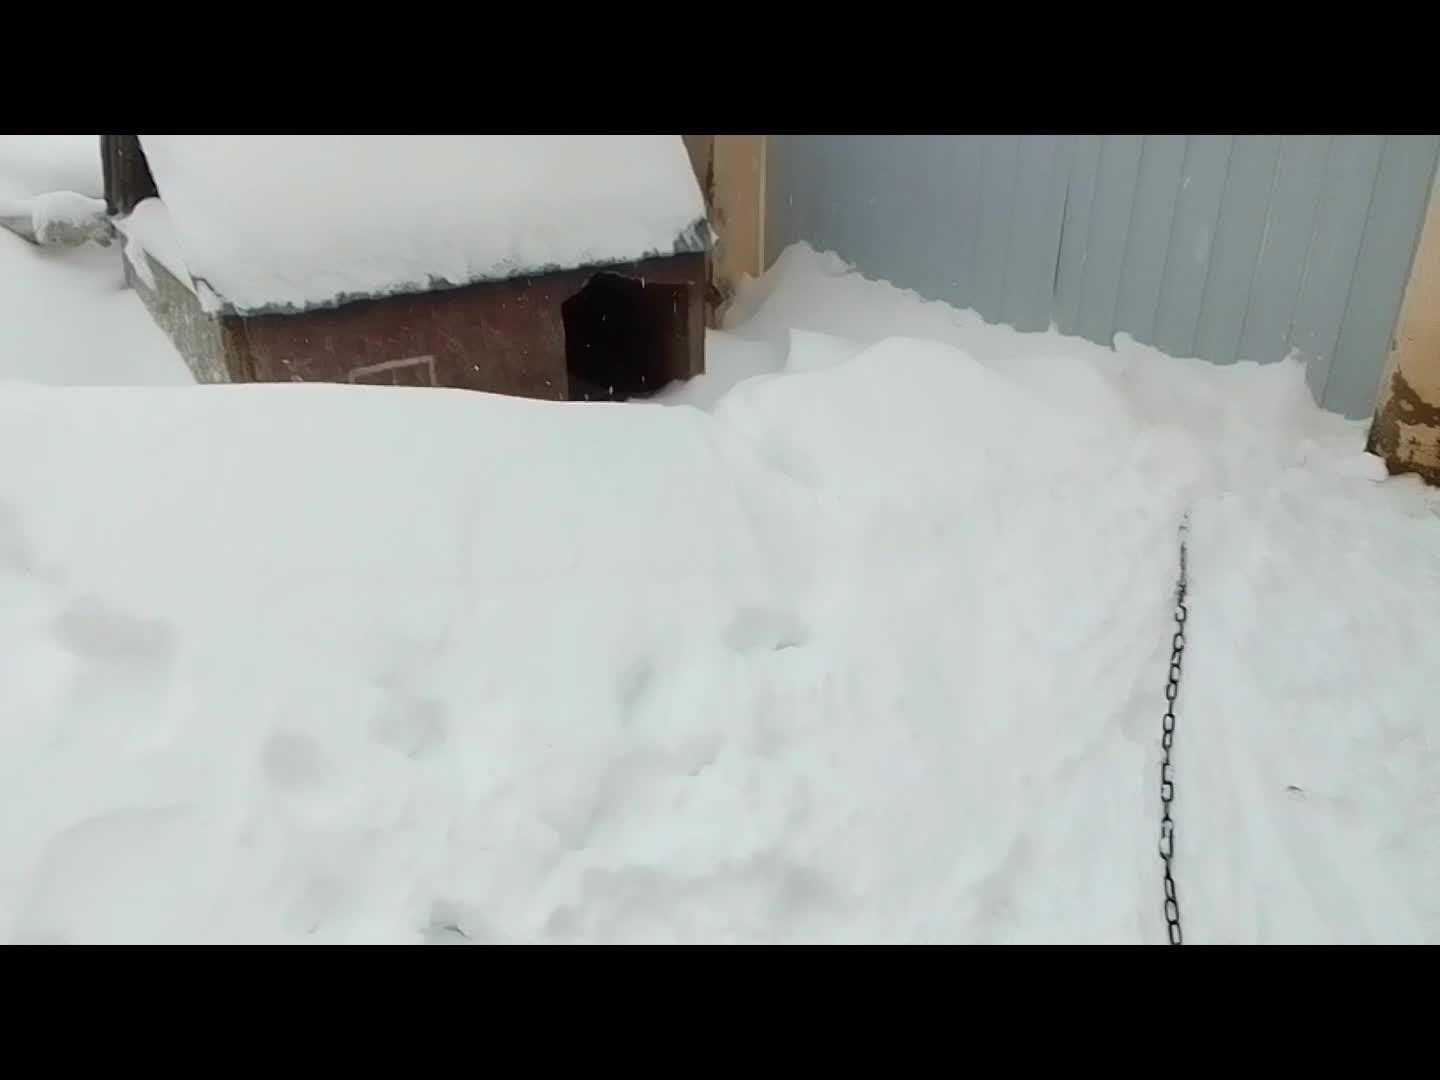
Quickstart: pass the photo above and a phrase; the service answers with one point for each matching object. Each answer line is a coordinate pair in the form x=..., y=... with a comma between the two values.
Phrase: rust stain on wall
x=1406, y=432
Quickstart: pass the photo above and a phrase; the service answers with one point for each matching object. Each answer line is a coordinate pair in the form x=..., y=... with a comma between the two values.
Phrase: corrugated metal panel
x=1227, y=247
x=973, y=220
x=1107, y=233
x=1244, y=205
x=1000, y=165
x=1292, y=204
x=1397, y=212
x=1162, y=169
x=1191, y=243
x=1350, y=170
x=1075, y=230
x=1035, y=231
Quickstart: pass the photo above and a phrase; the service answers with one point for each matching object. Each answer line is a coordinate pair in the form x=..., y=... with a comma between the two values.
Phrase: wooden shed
x=563, y=267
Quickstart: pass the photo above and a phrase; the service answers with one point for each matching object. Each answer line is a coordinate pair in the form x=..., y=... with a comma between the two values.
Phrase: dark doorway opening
x=625, y=337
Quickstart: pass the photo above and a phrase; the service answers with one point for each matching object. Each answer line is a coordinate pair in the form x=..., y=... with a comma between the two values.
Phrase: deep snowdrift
x=871, y=649
x=874, y=652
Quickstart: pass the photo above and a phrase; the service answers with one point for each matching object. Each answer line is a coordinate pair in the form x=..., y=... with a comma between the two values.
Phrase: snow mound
x=871, y=651
x=33, y=165
x=289, y=222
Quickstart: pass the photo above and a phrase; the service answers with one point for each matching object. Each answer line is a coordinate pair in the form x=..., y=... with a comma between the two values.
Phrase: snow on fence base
x=619, y=332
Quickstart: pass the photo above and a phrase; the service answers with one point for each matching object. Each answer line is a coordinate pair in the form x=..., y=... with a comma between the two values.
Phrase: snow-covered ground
x=66, y=317
x=862, y=637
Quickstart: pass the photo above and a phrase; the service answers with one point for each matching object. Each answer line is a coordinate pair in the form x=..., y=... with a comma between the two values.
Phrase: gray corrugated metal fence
x=1227, y=247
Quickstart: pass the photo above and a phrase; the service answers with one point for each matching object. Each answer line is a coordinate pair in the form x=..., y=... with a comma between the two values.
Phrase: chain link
x=1167, y=742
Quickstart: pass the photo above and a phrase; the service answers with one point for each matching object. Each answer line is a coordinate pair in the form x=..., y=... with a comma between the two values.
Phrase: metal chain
x=1167, y=741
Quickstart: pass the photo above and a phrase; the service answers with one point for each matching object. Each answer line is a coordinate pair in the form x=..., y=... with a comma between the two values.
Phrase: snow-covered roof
x=277, y=223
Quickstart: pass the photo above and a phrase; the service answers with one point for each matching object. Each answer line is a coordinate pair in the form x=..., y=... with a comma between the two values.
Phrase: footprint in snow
x=765, y=629
x=93, y=632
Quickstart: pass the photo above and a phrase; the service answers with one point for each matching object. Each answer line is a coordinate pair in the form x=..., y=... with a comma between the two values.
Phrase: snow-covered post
x=731, y=170
x=1406, y=428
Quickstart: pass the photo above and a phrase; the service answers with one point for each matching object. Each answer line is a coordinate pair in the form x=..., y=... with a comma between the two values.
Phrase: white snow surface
x=297, y=221
x=33, y=165
x=870, y=646
x=147, y=230
x=66, y=316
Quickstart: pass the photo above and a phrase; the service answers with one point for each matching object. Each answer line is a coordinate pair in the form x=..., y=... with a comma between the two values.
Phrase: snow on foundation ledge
x=290, y=222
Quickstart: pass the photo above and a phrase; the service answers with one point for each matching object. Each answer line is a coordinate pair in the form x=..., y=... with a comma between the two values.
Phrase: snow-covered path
x=1310, y=742
x=862, y=637
x=1313, y=658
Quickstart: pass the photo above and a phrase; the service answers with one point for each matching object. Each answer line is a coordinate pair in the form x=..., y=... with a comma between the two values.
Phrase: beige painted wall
x=731, y=169
x=1406, y=430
